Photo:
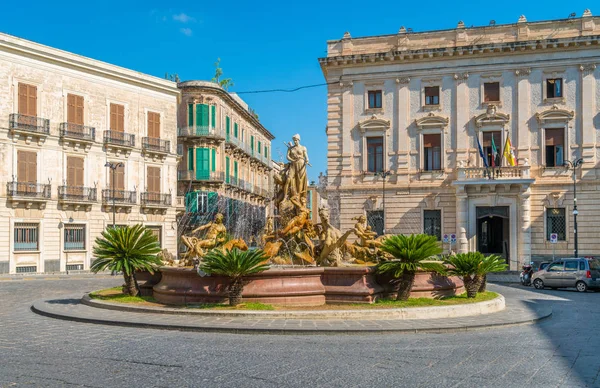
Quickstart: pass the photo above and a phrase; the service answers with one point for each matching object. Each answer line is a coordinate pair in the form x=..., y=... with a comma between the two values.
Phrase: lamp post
x=383, y=174
x=573, y=166
x=113, y=167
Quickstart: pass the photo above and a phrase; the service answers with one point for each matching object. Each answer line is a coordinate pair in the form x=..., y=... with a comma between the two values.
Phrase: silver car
x=579, y=273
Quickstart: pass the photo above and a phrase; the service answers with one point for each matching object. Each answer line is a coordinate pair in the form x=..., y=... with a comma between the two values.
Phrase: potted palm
x=235, y=264
x=467, y=266
x=410, y=253
x=126, y=249
x=491, y=263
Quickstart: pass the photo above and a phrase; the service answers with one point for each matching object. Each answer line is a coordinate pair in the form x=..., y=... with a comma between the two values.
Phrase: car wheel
x=581, y=286
x=539, y=284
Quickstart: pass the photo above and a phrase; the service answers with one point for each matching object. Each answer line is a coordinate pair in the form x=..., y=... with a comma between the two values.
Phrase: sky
x=262, y=45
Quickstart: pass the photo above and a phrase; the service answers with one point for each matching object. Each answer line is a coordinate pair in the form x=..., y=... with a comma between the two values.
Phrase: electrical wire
x=286, y=90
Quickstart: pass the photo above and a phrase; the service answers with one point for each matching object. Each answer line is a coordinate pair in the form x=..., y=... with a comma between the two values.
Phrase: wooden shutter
x=190, y=158
x=227, y=125
x=213, y=159
x=202, y=163
x=117, y=118
x=235, y=130
x=252, y=143
x=191, y=115
x=26, y=166
x=154, y=125
x=555, y=137
x=227, y=172
x=27, y=99
x=213, y=116
x=202, y=115
x=153, y=178
x=119, y=174
x=74, y=171
x=235, y=169
x=432, y=140
x=74, y=109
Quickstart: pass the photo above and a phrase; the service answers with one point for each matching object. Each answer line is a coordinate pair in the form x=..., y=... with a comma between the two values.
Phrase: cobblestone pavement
x=37, y=351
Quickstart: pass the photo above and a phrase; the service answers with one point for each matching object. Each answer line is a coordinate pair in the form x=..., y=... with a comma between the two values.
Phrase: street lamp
x=383, y=174
x=113, y=167
x=573, y=166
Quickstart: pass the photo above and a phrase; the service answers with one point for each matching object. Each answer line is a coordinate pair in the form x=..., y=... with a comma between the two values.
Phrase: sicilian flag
x=481, y=152
x=509, y=153
x=494, y=152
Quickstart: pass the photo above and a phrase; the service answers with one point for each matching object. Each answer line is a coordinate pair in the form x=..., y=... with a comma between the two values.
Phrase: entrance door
x=492, y=233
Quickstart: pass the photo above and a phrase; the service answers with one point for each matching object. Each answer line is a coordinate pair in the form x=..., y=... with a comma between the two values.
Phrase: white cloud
x=183, y=18
x=186, y=31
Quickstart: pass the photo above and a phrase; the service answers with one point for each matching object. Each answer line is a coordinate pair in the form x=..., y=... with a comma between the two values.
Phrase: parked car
x=543, y=265
x=580, y=273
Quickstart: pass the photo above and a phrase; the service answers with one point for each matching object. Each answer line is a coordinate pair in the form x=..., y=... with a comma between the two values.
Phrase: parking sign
x=446, y=239
x=453, y=238
x=553, y=238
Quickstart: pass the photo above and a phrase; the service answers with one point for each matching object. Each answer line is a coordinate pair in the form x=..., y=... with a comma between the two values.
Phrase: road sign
x=553, y=238
x=446, y=239
x=453, y=238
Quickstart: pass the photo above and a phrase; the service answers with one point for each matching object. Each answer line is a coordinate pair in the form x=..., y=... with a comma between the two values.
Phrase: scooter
x=526, y=275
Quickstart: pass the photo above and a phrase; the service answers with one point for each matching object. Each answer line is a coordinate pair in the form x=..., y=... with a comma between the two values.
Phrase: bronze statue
x=296, y=182
x=214, y=237
x=331, y=241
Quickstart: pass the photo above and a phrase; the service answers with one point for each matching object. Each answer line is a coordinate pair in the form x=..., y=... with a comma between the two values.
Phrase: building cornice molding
x=554, y=114
x=374, y=124
x=432, y=121
x=491, y=117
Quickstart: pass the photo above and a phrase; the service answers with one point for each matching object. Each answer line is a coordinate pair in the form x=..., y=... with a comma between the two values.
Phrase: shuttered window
x=74, y=109
x=266, y=152
x=235, y=130
x=259, y=147
x=202, y=163
x=191, y=159
x=213, y=116
x=191, y=115
x=202, y=115
x=153, y=180
x=117, y=118
x=154, y=125
x=252, y=143
x=235, y=169
x=156, y=232
x=119, y=176
x=227, y=126
x=27, y=99
x=227, y=172
x=74, y=175
x=213, y=159
x=27, y=166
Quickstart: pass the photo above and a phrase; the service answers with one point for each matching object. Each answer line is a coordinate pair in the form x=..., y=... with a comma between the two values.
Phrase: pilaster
x=347, y=125
x=462, y=115
x=462, y=218
x=403, y=144
x=522, y=139
x=524, y=238
x=587, y=104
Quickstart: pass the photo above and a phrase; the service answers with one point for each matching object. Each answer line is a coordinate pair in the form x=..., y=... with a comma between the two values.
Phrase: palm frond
x=464, y=264
x=234, y=263
x=410, y=253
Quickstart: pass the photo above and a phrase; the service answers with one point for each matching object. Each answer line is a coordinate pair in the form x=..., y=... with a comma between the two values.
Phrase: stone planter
x=146, y=281
x=427, y=285
x=351, y=285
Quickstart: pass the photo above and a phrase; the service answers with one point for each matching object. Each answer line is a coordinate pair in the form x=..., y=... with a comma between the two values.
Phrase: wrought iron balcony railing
x=156, y=145
x=200, y=131
x=77, y=131
x=155, y=199
x=28, y=190
x=29, y=123
x=120, y=196
x=191, y=175
x=77, y=193
x=119, y=138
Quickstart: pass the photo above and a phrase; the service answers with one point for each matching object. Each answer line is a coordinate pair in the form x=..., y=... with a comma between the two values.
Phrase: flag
x=481, y=152
x=509, y=153
x=494, y=152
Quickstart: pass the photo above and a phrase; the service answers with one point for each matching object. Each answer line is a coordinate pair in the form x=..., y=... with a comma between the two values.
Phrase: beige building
x=421, y=105
x=63, y=117
x=226, y=160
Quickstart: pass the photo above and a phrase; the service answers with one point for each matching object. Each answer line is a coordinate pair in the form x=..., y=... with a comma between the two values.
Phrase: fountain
x=311, y=264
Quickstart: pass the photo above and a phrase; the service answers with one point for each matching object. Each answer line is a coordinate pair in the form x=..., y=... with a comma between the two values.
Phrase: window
x=432, y=223
x=491, y=92
x=555, y=140
x=555, y=267
x=153, y=183
x=117, y=118
x=492, y=147
x=374, y=99
x=154, y=125
x=74, y=110
x=432, y=152
x=375, y=154
x=571, y=265
x=196, y=202
x=27, y=100
x=582, y=266
x=554, y=88
x=235, y=130
x=157, y=232
x=27, y=167
x=75, y=174
x=26, y=236
x=119, y=177
x=432, y=95
x=375, y=221
x=227, y=126
x=556, y=222
x=74, y=237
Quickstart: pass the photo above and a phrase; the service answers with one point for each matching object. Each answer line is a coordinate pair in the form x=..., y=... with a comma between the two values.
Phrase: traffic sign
x=553, y=238
x=446, y=239
x=453, y=238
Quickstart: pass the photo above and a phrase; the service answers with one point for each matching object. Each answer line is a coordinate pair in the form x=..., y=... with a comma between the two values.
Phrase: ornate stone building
x=414, y=110
x=63, y=119
x=226, y=160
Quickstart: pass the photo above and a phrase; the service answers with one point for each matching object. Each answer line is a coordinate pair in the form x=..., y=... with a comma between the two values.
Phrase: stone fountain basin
x=305, y=286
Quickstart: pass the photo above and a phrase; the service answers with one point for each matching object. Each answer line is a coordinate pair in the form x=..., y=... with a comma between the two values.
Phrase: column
x=524, y=237
x=462, y=116
x=462, y=219
x=587, y=102
x=403, y=121
x=521, y=139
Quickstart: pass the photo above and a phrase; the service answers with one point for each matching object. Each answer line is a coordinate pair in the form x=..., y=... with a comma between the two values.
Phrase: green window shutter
x=212, y=201
x=191, y=202
x=202, y=117
x=202, y=163
x=191, y=159
x=235, y=169
x=259, y=148
x=191, y=115
x=227, y=125
x=205, y=116
x=252, y=144
x=266, y=152
x=227, y=169
x=235, y=130
x=213, y=159
x=213, y=116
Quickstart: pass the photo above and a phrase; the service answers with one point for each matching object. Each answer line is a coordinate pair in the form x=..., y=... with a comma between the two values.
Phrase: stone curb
x=407, y=313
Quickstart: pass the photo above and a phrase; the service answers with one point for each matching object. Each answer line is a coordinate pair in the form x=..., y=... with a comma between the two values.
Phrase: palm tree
x=235, y=264
x=466, y=265
x=127, y=249
x=491, y=263
x=410, y=253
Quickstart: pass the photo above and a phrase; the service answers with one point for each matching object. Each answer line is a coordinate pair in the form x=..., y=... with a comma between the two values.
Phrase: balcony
x=155, y=201
x=156, y=148
x=120, y=199
x=77, y=135
x=29, y=127
x=201, y=176
x=28, y=193
x=77, y=196
x=492, y=177
x=202, y=132
x=119, y=141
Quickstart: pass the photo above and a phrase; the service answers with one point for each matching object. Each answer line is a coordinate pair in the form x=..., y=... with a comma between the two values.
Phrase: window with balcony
x=153, y=184
x=554, y=88
x=432, y=223
x=75, y=174
x=156, y=232
x=117, y=177
x=491, y=92
x=26, y=117
x=375, y=221
x=432, y=152
x=375, y=154
x=74, y=237
x=432, y=95
x=492, y=147
x=556, y=222
x=26, y=166
x=375, y=99
x=26, y=236
x=554, y=141
x=74, y=126
x=27, y=100
x=117, y=118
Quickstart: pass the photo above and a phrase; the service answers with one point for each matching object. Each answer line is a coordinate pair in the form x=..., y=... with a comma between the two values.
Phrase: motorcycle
x=526, y=275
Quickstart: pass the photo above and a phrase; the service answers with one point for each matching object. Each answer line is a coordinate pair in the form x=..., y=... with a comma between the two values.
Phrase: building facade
x=421, y=122
x=63, y=119
x=225, y=161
